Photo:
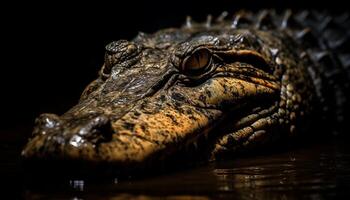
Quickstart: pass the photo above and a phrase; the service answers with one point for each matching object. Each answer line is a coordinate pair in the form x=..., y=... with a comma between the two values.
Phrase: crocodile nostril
x=46, y=122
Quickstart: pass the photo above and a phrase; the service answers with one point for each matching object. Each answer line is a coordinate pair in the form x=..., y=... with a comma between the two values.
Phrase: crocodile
x=204, y=91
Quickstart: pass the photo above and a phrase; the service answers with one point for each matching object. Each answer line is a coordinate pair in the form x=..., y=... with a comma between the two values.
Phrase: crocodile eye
x=197, y=62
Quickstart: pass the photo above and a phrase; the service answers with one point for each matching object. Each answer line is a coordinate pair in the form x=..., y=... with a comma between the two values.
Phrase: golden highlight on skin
x=217, y=88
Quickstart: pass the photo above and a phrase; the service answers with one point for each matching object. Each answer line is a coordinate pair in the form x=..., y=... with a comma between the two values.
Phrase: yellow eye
x=198, y=61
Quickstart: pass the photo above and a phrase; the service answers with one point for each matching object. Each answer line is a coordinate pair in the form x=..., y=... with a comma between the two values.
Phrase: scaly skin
x=259, y=83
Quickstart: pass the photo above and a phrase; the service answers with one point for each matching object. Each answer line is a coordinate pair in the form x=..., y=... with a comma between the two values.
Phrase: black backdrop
x=51, y=51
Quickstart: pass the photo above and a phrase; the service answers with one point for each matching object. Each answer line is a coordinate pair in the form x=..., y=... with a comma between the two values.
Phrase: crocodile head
x=202, y=90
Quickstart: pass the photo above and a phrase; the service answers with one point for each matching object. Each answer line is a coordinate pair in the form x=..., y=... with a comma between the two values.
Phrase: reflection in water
x=77, y=184
x=314, y=172
x=144, y=197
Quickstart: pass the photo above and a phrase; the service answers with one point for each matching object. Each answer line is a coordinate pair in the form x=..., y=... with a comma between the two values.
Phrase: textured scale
x=204, y=91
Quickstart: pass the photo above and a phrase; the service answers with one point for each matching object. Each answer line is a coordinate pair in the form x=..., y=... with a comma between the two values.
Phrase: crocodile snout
x=54, y=135
x=86, y=126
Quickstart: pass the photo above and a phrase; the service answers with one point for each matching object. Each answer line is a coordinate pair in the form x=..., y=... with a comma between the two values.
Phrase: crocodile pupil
x=198, y=61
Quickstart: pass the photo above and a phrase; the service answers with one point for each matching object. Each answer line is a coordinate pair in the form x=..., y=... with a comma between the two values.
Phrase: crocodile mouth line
x=231, y=125
x=266, y=82
x=244, y=129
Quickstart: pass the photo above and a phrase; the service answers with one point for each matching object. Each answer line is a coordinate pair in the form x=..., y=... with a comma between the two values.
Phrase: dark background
x=52, y=51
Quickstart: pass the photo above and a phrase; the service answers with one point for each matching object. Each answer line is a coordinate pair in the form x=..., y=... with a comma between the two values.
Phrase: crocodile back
x=325, y=38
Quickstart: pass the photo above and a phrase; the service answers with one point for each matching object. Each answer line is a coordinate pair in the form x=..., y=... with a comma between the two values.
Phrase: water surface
x=312, y=171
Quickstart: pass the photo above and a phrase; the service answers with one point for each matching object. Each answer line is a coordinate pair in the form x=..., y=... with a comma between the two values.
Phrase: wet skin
x=208, y=88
